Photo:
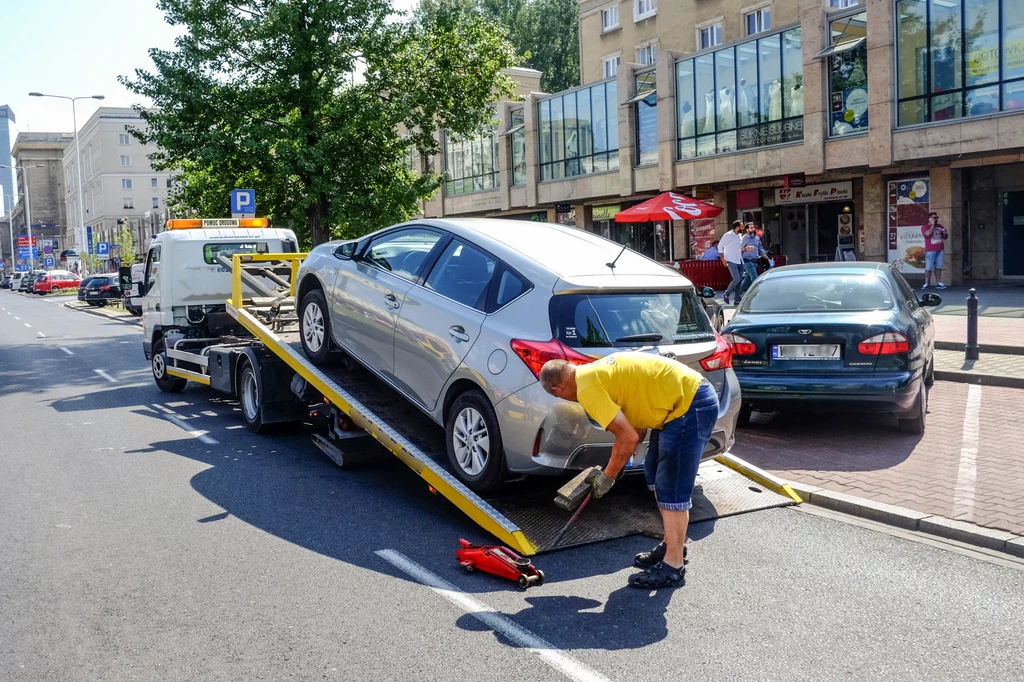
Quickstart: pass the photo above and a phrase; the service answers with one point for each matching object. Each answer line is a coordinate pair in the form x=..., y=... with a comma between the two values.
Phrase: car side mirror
x=707, y=292
x=929, y=300
x=346, y=251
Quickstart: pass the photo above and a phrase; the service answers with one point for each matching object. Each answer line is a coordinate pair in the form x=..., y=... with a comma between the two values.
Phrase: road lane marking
x=66, y=350
x=41, y=335
x=27, y=325
x=105, y=376
x=180, y=423
x=522, y=637
x=967, y=473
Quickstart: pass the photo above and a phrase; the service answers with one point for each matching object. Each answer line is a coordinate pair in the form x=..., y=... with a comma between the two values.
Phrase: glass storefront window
x=741, y=97
x=517, y=138
x=471, y=164
x=847, y=62
x=955, y=62
x=579, y=132
x=646, y=119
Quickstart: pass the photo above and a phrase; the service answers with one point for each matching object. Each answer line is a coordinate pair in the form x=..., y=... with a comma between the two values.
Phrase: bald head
x=558, y=377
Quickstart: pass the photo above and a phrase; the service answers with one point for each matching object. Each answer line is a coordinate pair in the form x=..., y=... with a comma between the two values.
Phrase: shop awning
x=843, y=46
x=668, y=206
x=642, y=95
x=513, y=130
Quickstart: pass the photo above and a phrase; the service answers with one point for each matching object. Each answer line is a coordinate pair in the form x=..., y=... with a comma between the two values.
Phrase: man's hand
x=626, y=440
x=599, y=483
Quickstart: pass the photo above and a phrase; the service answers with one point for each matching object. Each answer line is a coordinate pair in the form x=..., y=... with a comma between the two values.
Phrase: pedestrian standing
x=627, y=394
x=712, y=252
x=732, y=258
x=752, y=251
x=935, y=236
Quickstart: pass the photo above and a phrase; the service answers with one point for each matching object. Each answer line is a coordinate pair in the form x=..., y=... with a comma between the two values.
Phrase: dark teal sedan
x=850, y=337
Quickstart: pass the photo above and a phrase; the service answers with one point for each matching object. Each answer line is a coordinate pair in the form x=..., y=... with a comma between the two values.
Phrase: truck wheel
x=315, y=327
x=164, y=381
x=474, y=443
x=249, y=397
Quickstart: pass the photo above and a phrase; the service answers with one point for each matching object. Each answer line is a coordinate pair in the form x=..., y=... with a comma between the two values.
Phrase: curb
x=992, y=348
x=957, y=376
x=908, y=519
x=116, y=318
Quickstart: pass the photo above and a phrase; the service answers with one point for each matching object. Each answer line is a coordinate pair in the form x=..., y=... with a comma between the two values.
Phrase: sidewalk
x=109, y=312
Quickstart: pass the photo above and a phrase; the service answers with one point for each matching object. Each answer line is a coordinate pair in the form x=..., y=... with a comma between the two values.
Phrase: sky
x=78, y=47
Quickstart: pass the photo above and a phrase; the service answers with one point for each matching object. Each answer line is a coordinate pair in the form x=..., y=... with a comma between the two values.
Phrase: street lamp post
x=80, y=230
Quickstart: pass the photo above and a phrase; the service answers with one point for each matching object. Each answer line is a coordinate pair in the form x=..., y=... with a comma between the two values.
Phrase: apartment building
x=118, y=180
x=831, y=123
x=40, y=156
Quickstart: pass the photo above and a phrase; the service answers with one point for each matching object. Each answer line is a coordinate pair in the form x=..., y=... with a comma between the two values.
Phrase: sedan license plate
x=823, y=351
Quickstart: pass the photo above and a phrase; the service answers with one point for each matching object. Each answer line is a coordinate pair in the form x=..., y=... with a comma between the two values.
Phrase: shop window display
x=847, y=61
x=579, y=132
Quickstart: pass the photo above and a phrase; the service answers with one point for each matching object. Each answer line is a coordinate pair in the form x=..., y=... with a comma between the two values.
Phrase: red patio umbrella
x=668, y=206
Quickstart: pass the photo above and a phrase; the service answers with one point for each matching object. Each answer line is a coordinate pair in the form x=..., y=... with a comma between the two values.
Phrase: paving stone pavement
x=987, y=363
x=869, y=457
x=997, y=331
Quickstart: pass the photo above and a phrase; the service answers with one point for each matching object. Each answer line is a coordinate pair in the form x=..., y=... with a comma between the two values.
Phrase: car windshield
x=818, y=292
x=624, y=320
x=97, y=282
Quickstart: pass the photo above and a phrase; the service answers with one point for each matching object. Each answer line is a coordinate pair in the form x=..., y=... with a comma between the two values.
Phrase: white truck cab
x=184, y=285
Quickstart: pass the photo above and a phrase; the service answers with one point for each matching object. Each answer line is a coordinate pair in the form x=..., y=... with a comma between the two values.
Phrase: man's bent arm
x=626, y=440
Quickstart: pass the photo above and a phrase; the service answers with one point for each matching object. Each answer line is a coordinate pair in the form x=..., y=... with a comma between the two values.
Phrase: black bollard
x=971, y=350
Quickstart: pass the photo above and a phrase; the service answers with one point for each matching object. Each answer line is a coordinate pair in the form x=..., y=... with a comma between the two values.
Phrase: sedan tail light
x=740, y=345
x=535, y=353
x=720, y=359
x=886, y=343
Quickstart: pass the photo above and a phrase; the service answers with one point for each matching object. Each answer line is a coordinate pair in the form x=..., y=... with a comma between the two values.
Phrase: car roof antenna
x=612, y=264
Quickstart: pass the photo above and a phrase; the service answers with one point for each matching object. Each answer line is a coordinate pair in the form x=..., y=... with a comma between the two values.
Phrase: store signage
x=606, y=212
x=563, y=208
x=795, y=180
x=812, y=194
x=703, y=192
x=907, y=205
x=23, y=241
x=773, y=132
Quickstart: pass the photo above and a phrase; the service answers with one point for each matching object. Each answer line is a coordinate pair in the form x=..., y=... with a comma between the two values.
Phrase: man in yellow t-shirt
x=627, y=394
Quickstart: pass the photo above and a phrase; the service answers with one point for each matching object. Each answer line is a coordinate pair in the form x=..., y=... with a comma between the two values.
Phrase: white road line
x=17, y=318
x=66, y=350
x=967, y=473
x=105, y=376
x=522, y=637
x=180, y=423
x=27, y=325
x=41, y=335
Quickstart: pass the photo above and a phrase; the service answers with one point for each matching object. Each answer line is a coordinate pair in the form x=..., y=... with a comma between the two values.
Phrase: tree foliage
x=306, y=102
x=126, y=245
x=545, y=33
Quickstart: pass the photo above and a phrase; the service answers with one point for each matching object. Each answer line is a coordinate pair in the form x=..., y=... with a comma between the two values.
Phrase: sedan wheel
x=470, y=441
x=474, y=444
x=315, y=327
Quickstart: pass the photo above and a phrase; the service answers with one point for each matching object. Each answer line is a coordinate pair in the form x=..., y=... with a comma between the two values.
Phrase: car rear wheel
x=315, y=327
x=473, y=441
x=915, y=424
x=164, y=381
x=743, y=418
x=54, y=289
x=929, y=377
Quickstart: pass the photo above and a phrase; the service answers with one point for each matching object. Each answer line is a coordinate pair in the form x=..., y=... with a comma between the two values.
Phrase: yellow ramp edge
x=770, y=481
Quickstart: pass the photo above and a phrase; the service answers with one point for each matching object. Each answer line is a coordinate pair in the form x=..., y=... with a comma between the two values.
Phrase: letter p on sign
x=243, y=203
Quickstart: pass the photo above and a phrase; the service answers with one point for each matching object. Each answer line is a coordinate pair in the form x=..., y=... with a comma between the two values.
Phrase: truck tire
x=315, y=327
x=473, y=442
x=250, y=398
x=164, y=381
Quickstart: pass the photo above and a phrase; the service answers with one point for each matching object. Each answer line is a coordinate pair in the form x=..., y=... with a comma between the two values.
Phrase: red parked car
x=55, y=280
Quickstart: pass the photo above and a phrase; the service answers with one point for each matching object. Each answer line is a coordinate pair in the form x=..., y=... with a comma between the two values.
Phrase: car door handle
x=458, y=333
x=392, y=302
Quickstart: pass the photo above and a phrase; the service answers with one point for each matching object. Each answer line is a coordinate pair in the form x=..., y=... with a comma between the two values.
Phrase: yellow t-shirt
x=649, y=389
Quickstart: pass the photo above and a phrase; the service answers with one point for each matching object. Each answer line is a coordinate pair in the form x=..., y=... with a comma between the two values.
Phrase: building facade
x=7, y=123
x=837, y=125
x=118, y=180
x=41, y=176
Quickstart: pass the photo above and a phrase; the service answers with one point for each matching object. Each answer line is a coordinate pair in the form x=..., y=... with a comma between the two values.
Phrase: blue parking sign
x=48, y=262
x=243, y=202
x=102, y=248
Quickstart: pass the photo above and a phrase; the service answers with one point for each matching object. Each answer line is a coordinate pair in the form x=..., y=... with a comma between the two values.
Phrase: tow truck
x=218, y=309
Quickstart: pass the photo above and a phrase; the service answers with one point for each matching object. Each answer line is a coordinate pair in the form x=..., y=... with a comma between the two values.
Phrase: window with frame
x=126, y=183
x=517, y=139
x=646, y=55
x=958, y=58
x=644, y=8
x=463, y=274
x=156, y=202
x=843, y=4
x=123, y=138
x=471, y=164
x=645, y=102
x=402, y=252
x=759, y=21
x=741, y=97
x=579, y=132
x=168, y=183
x=610, y=66
x=847, y=65
x=610, y=18
x=153, y=183
x=709, y=36
x=128, y=202
x=126, y=161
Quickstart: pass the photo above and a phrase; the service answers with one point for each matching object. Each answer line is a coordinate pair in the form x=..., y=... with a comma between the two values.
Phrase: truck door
x=150, y=296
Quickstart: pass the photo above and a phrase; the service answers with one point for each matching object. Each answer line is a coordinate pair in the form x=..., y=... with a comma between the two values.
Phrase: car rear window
x=818, y=292
x=625, y=320
x=212, y=251
x=97, y=282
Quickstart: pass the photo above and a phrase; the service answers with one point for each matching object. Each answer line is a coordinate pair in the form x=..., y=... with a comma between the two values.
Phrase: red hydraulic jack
x=500, y=561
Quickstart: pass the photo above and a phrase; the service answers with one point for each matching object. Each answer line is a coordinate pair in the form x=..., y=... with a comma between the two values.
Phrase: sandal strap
x=659, y=575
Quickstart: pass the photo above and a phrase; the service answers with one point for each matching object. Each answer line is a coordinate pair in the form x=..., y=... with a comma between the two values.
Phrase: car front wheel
x=315, y=327
x=473, y=441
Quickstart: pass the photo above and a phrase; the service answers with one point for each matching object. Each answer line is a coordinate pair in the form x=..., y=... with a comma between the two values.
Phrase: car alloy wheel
x=313, y=326
x=471, y=441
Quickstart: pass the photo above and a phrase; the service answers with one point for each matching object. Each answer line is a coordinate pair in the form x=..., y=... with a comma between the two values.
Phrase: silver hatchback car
x=460, y=315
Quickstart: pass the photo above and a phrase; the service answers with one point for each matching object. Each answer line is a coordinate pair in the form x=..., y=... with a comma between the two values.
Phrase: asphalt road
x=151, y=537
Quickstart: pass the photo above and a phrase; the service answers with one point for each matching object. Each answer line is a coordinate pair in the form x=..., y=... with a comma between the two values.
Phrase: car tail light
x=740, y=345
x=886, y=343
x=536, y=353
x=720, y=359
x=107, y=287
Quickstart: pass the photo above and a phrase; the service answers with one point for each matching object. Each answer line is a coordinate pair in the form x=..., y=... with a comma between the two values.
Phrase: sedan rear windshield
x=818, y=292
x=97, y=282
x=627, y=320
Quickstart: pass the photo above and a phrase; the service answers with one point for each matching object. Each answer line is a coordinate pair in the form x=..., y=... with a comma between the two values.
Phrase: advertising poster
x=908, y=207
x=702, y=233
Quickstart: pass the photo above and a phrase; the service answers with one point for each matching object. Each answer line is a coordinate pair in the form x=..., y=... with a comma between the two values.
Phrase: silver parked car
x=460, y=315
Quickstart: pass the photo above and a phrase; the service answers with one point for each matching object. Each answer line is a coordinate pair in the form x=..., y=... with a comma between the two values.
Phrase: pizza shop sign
x=812, y=194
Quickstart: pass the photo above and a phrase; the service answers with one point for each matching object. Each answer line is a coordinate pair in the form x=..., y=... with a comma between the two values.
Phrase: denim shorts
x=933, y=259
x=671, y=469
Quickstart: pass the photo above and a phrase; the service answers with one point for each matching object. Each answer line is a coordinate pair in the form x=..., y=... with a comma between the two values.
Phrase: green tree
x=126, y=246
x=306, y=102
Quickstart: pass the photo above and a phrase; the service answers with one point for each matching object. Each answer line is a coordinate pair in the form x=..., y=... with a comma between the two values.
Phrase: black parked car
x=28, y=281
x=102, y=289
x=5, y=283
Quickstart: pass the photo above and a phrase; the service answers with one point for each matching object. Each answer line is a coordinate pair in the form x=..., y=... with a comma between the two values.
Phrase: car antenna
x=612, y=264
